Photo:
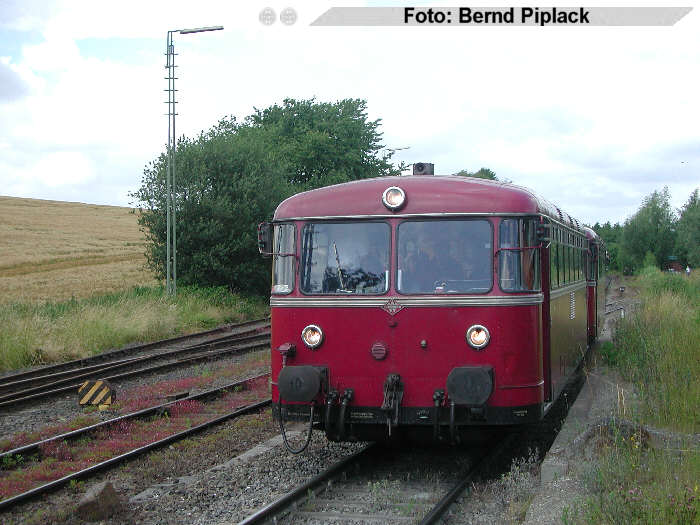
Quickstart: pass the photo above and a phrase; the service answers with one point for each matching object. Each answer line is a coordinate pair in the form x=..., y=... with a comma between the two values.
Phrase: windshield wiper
x=340, y=274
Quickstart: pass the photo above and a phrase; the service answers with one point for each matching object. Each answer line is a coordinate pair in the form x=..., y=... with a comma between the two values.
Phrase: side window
x=570, y=261
x=518, y=255
x=553, y=263
x=557, y=262
x=283, y=264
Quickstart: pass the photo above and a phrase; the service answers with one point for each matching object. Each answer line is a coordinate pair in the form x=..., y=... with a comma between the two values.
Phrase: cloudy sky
x=594, y=118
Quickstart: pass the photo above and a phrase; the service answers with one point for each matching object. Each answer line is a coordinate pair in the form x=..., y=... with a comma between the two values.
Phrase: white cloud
x=573, y=113
x=63, y=168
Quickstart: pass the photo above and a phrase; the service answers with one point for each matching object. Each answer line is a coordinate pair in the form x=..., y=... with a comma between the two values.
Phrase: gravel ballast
x=232, y=491
x=52, y=411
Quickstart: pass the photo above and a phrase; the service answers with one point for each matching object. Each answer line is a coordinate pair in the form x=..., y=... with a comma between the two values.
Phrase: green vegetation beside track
x=657, y=349
x=32, y=334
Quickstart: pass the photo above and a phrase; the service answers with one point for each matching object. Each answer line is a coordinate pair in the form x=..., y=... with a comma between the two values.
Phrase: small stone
x=100, y=502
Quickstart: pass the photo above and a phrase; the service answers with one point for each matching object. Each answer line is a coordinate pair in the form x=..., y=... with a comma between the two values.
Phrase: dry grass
x=33, y=333
x=52, y=250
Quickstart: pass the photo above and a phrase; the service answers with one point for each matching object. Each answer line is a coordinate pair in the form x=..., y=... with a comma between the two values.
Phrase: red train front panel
x=422, y=346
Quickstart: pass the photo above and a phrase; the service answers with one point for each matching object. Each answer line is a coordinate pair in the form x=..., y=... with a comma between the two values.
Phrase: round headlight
x=393, y=198
x=478, y=336
x=312, y=336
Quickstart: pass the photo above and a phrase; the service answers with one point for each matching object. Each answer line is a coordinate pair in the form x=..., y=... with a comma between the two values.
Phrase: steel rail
x=22, y=383
x=98, y=358
x=12, y=400
x=126, y=363
x=467, y=476
x=55, y=379
x=31, y=448
x=270, y=510
x=273, y=511
x=4, y=504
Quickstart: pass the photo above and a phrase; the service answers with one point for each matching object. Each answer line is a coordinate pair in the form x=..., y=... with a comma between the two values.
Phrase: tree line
x=233, y=176
x=655, y=235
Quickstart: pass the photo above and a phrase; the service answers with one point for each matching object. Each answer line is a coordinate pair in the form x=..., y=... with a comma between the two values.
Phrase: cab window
x=444, y=256
x=345, y=258
x=518, y=255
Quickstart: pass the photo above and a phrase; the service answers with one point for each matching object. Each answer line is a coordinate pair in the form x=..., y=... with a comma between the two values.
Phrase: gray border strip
x=596, y=16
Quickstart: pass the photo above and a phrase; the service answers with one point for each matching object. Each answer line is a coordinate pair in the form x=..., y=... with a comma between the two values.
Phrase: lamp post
x=171, y=249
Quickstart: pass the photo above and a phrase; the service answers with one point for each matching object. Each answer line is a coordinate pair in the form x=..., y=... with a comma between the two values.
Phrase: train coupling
x=393, y=395
x=348, y=394
x=438, y=398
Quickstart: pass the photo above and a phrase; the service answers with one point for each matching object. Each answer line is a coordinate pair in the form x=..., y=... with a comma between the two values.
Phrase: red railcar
x=595, y=259
x=426, y=305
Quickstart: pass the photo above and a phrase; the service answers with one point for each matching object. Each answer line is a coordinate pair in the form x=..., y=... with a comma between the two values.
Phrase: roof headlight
x=393, y=198
x=312, y=336
x=478, y=336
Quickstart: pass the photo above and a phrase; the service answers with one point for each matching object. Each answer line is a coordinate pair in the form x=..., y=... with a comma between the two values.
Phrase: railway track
x=379, y=485
x=31, y=455
x=67, y=377
x=105, y=357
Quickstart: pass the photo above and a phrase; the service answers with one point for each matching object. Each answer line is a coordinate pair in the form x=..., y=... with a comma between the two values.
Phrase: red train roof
x=591, y=235
x=424, y=194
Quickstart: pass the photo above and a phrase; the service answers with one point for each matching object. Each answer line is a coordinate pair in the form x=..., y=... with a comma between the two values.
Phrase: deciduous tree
x=688, y=231
x=650, y=229
x=234, y=175
x=483, y=173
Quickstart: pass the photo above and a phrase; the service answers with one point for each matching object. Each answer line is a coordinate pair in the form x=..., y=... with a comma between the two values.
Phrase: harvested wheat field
x=52, y=250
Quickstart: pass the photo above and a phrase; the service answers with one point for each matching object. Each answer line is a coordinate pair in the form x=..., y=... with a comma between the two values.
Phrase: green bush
x=233, y=176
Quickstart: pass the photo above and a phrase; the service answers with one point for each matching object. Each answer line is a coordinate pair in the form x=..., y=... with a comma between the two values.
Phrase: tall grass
x=635, y=485
x=53, y=331
x=657, y=349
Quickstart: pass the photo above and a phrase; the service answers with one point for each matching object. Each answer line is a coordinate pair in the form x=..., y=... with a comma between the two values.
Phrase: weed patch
x=635, y=484
x=656, y=349
x=60, y=458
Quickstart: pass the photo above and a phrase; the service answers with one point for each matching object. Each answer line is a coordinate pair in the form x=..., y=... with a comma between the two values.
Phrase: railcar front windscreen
x=345, y=258
x=444, y=256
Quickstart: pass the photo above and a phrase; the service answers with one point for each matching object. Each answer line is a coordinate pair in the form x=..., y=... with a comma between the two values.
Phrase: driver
x=373, y=266
x=430, y=266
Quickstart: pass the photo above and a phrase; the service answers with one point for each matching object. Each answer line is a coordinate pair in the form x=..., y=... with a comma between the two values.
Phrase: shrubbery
x=233, y=176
